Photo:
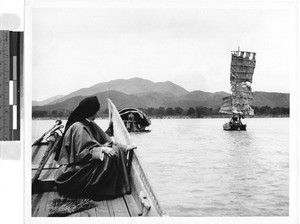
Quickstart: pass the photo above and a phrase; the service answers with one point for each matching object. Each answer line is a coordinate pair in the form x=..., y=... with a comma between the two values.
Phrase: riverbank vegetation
x=177, y=112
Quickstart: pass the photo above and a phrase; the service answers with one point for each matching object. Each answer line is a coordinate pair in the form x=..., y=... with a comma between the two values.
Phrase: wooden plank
x=47, y=166
x=36, y=199
x=39, y=152
x=47, y=174
x=49, y=201
x=41, y=208
x=119, y=207
x=34, y=203
x=52, y=161
x=35, y=150
x=132, y=206
x=88, y=213
x=33, y=198
x=52, y=175
x=110, y=208
x=77, y=214
x=102, y=209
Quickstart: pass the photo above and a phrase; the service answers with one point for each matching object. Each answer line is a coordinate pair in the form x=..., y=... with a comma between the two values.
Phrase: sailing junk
x=238, y=103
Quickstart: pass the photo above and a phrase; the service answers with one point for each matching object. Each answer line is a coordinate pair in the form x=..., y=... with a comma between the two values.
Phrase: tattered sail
x=226, y=107
x=241, y=74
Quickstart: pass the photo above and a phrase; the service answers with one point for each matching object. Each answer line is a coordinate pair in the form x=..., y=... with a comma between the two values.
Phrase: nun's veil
x=86, y=108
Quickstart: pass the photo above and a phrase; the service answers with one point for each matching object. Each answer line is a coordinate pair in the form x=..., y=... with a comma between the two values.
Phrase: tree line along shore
x=169, y=112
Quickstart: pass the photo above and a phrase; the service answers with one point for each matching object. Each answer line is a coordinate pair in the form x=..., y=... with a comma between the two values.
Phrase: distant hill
x=271, y=99
x=155, y=100
x=128, y=86
x=121, y=99
x=47, y=101
x=141, y=93
x=201, y=98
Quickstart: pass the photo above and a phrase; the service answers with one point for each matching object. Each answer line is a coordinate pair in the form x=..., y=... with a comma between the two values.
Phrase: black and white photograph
x=171, y=109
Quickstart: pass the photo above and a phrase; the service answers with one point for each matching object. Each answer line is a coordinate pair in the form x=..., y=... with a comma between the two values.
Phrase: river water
x=197, y=169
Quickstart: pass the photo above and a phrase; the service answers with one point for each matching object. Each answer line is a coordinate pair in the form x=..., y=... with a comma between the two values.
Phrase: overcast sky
x=77, y=48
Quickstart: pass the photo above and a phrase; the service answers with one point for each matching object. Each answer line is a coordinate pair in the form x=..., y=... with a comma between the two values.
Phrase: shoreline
x=170, y=117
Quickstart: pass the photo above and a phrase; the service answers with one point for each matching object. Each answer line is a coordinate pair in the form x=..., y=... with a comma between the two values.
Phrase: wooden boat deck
x=120, y=207
x=125, y=206
x=141, y=202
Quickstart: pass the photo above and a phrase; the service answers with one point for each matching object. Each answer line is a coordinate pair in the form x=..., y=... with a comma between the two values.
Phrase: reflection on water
x=197, y=169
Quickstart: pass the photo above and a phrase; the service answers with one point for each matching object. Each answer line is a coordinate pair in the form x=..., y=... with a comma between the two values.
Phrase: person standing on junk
x=91, y=164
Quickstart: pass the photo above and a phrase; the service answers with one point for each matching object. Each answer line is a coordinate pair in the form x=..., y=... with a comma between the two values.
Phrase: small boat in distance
x=238, y=103
x=236, y=123
x=135, y=120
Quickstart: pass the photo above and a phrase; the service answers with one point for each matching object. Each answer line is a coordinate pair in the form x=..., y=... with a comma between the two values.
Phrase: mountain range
x=47, y=101
x=142, y=93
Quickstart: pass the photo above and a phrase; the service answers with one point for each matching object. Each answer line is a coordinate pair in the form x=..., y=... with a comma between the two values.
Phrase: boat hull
x=234, y=127
x=138, y=178
x=141, y=202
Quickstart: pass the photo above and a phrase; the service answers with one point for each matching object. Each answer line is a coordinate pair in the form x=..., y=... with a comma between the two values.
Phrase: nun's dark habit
x=80, y=175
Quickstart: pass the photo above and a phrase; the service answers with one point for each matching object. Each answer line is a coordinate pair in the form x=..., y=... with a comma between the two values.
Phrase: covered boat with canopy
x=134, y=119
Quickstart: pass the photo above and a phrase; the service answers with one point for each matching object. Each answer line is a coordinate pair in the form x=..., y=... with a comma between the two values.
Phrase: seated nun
x=91, y=164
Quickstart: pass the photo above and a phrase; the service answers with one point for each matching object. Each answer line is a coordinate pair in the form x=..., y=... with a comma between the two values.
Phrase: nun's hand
x=108, y=151
x=131, y=147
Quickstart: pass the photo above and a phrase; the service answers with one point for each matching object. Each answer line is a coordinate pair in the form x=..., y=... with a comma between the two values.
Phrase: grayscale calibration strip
x=11, y=67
